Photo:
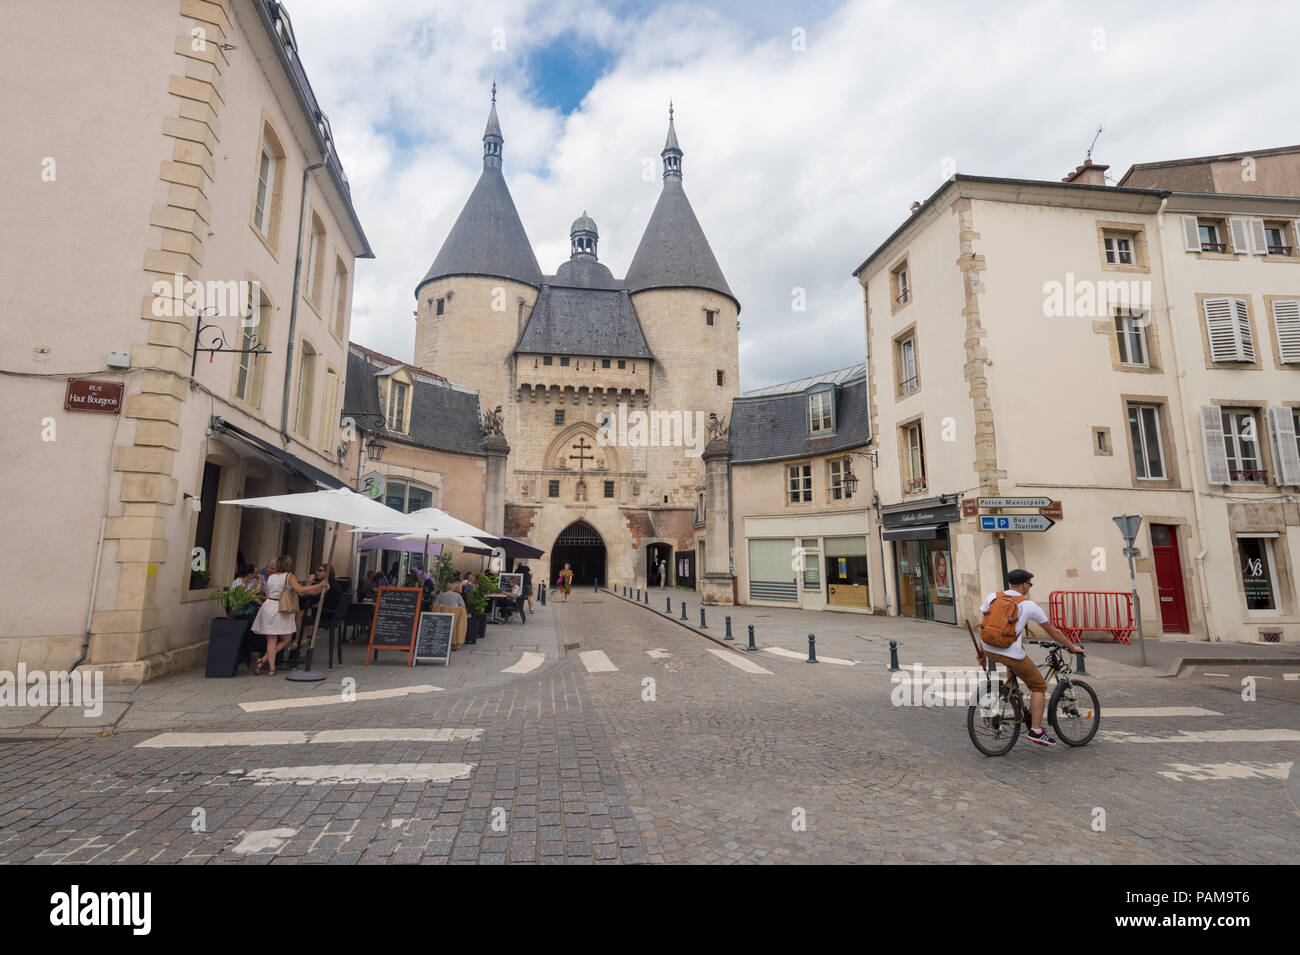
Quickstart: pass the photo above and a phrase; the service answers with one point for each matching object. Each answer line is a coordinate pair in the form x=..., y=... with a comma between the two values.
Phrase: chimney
x=1089, y=174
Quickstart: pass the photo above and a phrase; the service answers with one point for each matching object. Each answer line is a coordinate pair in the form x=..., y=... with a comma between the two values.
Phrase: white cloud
x=797, y=163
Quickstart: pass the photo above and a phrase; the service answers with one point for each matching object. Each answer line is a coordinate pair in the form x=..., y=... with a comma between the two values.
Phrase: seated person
x=449, y=598
x=519, y=602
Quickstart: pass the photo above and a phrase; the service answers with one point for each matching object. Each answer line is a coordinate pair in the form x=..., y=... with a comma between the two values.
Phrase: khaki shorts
x=1024, y=669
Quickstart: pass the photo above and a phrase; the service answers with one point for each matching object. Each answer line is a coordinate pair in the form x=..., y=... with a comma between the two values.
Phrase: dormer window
x=395, y=398
x=821, y=412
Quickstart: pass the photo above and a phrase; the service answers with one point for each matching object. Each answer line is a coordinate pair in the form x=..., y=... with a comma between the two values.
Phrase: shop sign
x=1015, y=502
x=86, y=394
x=932, y=514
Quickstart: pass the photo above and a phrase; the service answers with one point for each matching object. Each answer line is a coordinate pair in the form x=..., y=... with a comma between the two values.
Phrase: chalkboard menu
x=397, y=610
x=433, y=639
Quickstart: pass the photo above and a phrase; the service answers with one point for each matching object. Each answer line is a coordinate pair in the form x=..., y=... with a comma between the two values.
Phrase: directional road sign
x=1015, y=523
x=1015, y=501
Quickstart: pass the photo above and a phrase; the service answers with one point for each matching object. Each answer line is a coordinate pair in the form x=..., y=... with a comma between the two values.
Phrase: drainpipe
x=1192, y=463
x=880, y=538
x=293, y=309
x=731, y=546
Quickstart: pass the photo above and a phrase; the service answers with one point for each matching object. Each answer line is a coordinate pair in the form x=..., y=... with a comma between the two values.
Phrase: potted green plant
x=443, y=572
x=226, y=634
x=476, y=602
x=200, y=579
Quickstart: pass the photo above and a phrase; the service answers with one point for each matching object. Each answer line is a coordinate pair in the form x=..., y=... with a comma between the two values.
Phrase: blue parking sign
x=1003, y=523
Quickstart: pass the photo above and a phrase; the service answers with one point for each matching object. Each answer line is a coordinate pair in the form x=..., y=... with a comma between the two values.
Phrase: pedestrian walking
x=565, y=582
x=663, y=573
x=528, y=586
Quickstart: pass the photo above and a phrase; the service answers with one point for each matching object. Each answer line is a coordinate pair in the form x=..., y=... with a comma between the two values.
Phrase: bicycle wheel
x=995, y=729
x=1074, y=712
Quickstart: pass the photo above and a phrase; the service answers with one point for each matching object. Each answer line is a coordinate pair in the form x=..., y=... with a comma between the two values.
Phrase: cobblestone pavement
x=586, y=762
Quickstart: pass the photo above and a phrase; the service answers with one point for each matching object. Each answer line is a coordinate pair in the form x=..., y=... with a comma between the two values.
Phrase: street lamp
x=374, y=449
x=850, y=480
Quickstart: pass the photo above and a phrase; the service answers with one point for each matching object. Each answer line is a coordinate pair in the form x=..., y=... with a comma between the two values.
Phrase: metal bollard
x=683, y=611
x=893, y=656
x=596, y=588
x=728, y=636
x=751, y=639
x=812, y=648
x=703, y=625
x=637, y=597
x=669, y=607
x=1080, y=668
x=541, y=594
x=647, y=596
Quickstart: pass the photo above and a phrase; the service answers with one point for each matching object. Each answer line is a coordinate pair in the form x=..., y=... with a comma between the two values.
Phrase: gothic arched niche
x=578, y=448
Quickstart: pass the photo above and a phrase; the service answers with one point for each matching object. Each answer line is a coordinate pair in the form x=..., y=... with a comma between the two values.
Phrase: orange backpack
x=999, y=626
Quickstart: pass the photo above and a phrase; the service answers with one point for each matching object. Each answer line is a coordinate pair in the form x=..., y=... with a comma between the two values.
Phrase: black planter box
x=224, y=642
x=477, y=627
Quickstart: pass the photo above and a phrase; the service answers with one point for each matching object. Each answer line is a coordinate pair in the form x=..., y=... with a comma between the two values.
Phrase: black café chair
x=337, y=624
x=509, y=607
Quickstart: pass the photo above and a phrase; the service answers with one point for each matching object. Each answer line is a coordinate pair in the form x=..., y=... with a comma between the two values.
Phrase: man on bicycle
x=1014, y=658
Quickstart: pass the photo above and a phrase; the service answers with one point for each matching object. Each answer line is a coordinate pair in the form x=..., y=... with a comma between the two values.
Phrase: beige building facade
x=168, y=181
x=1116, y=350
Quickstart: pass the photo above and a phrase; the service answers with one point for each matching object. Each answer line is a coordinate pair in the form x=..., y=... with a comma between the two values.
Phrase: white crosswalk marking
x=293, y=702
x=1179, y=772
x=527, y=663
x=1207, y=673
x=1157, y=711
x=1209, y=736
x=658, y=654
x=795, y=655
x=1291, y=676
x=291, y=737
x=349, y=773
x=741, y=663
x=596, y=662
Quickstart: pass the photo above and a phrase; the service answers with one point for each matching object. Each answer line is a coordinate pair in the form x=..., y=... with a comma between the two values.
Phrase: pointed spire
x=672, y=154
x=492, y=138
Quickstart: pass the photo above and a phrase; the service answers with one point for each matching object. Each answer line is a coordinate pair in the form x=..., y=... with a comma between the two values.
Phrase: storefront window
x=771, y=574
x=1257, y=572
x=925, y=580
x=846, y=572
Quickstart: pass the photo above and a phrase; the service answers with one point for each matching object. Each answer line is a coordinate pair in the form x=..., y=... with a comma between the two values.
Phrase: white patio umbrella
x=432, y=525
x=337, y=506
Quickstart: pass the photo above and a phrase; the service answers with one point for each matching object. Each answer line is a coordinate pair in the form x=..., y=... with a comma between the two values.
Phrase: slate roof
x=444, y=417
x=674, y=252
x=488, y=238
x=774, y=427
x=584, y=321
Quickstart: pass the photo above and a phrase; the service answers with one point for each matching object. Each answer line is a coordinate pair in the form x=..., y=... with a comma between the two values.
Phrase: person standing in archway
x=663, y=573
x=565, y=582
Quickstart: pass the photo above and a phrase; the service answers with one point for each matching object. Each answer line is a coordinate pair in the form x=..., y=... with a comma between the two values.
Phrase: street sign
x=969, y=508
x=1053, y=511
x=87, y=394
x=1128, y=525
x=1015, y=501
x=1015, y=523
x=373, y=485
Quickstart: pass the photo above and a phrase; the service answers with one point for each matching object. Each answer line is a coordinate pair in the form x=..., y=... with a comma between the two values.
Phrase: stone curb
x=1183, y=663
x=730, y=645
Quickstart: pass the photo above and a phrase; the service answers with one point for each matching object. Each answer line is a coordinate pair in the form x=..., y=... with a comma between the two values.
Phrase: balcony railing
x=1214, y=247
x=916, y=484
x=1279, y=250
x=1246, y=474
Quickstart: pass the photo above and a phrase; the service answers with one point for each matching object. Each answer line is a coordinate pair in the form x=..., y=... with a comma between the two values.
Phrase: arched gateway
x=582, y=548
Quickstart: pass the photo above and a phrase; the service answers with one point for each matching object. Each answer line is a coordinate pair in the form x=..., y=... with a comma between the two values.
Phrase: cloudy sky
x=807, y=128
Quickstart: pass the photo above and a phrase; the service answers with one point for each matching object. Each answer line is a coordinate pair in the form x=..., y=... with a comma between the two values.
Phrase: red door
x=1169, y=578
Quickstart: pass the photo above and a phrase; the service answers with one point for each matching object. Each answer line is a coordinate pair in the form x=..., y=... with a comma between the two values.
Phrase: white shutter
x=1191, y=234
x=328, y=419
x=1282, y=438
x=1216, y=456
x=1286, y=323
x=1295, y=227
x=1245, y=344
x=1221, y=330
x=1258, y=237
x=1237, y=226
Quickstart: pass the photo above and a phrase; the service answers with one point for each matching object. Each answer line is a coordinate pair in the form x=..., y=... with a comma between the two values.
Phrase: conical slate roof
x=488, y=238
x=674, y=252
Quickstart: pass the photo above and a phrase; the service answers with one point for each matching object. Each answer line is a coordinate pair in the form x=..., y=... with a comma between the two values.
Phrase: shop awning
x=917, y=532
x=296, y=465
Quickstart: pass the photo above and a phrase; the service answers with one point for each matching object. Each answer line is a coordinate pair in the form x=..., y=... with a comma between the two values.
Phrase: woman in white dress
x=277, y=627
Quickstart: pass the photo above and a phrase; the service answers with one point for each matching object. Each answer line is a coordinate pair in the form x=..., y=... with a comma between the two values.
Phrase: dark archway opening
x=654, y=553
x=582, y=548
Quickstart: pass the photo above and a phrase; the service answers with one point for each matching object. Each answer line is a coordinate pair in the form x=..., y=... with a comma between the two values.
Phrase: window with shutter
x=327, y=416
x=1191, y=234
x=1241, y=445
x=1285, y=445
x=1227, y=326
x=1258, y=237
x=1216, y=457
x=1237, y=228
x=1286, y=324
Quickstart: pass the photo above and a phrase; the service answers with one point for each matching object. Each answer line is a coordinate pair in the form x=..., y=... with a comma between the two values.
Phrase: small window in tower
x=708, y=316
x=559, y=416
x=546, y=359
x=441, y=303
x=719, y=377
x=553, y=489
x=604, y=363
x=609, y=488
x=564, y=362
x=621, y=363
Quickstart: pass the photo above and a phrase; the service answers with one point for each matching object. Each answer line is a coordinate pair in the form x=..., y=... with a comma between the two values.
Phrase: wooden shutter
x=261, y=362
x=1245, y=343
x=1221, y=329
x=327, y=417
x=1286, y=323
x=1258, y=237
x=1282, y=439
x=1216, y=456
x=1191, y=234
x=1237, y=228
x=1295, y=227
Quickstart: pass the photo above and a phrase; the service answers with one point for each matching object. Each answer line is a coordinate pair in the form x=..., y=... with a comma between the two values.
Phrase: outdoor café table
x=496, y=606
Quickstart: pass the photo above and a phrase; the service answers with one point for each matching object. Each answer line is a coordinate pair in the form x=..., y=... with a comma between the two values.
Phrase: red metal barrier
x=1074, y=611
